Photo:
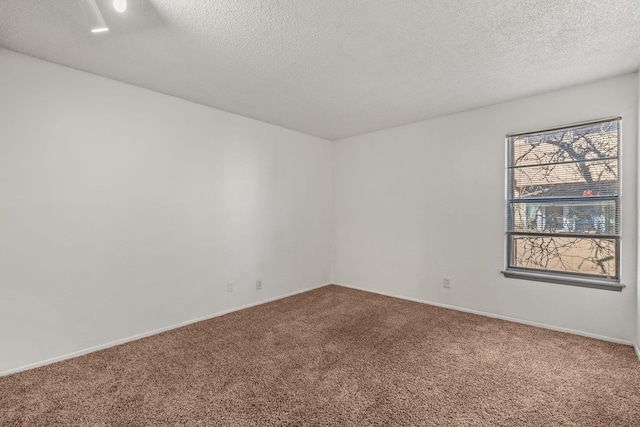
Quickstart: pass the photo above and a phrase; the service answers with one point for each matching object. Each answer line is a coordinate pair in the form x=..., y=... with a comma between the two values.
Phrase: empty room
x=338, y=213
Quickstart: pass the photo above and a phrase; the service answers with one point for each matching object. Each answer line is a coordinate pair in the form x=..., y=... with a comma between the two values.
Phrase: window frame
x=551, y=276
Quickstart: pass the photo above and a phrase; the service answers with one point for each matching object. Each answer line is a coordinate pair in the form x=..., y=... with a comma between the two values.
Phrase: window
x=563, y=205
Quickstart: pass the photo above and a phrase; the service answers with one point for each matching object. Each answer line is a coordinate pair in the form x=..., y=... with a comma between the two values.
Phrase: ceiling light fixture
x=120, y=5
x=98, y=25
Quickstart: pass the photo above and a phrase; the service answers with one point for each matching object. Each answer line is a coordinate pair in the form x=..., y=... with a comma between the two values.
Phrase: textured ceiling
x=335, y=68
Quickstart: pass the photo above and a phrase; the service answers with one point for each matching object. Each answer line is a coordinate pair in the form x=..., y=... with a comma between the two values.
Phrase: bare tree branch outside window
x=563, y=200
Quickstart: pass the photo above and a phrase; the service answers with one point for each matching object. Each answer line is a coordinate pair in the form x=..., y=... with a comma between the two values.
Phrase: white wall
x=123, y=210
x=415, y=203
x=638, y=204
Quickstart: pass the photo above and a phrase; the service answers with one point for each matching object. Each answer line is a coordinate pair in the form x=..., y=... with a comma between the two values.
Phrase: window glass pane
x=564, y=217
x=583, y=179
x=586, y=142
x=591, y=256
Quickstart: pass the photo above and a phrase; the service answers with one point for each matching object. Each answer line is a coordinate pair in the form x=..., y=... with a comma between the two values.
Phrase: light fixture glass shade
x=120, y=5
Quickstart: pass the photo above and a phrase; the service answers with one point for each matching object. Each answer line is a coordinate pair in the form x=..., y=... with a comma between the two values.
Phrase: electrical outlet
x=446, y=282
x=258, y=285
x=229, y=287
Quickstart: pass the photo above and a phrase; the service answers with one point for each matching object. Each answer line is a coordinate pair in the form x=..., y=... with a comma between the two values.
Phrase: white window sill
x=585, y=282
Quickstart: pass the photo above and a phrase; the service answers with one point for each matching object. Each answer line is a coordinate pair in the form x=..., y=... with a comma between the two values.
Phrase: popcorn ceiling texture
x=336, y=68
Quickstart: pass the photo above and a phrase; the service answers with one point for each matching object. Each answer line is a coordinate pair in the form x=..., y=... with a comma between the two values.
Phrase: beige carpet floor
x=337, y=357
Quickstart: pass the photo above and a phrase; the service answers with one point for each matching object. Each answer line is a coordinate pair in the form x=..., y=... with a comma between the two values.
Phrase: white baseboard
x=637, y=350
x=150, y=333
x=498, y=316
